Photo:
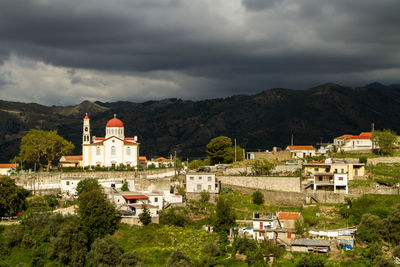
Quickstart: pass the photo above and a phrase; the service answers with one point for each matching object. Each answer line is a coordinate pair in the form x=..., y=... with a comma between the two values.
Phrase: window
x=327, y=170
x=67, y=182
x=128, y=151
x=320, y=178
x=209, y=187
x=200, y=177
x=156, y=199
x=191, y=178
x=113, y=151
x=340, y=178
x=209, y=179
x=199, y=187
x=98, y=151
x=316, y=169
x=335, y=171
x=86, y=129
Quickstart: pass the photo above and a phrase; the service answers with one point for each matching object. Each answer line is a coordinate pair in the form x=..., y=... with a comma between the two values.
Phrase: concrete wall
x=143, y=181
x=288, y=184
x=375, y=161
x=283, y=155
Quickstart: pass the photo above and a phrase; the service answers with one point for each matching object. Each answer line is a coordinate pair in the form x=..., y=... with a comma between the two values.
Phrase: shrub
x=258, y=198
x=396, y=251
x=145, y=217
x=369, y=228
x=204, y=196
x=131, y=259
x=363, y=159
x=13, y=235
x=105, y=252
x=262, y=166
x=125, y=186
x=311, y=260
x=211, y=249
x=174, y=216
x=381, y=261
x=270, y=248
x=178, y=258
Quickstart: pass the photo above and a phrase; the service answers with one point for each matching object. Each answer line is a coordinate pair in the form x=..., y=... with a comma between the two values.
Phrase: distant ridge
x=257, y=121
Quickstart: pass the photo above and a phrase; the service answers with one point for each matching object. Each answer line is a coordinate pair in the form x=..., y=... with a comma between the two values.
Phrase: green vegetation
x=40, y=146
x=385, y=173
x=220, y=150
x=96, y=213
x=145, y=217
x=12, y=197
x=258, y=198
x=262, y=167
x=386, y=141
x=125, y=186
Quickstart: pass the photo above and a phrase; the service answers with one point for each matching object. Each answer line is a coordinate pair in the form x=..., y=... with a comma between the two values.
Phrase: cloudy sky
x=63, y=52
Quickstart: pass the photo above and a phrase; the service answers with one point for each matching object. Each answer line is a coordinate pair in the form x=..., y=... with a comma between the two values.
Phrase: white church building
x=112, y=150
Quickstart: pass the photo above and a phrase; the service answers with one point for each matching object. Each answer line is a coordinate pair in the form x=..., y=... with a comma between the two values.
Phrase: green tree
x=230, y=154
x=396, y=251
x=70, y=244
x=105, y=252
x=301, y=226
x=385, y=141
x=258, y=198
x=87, y=185
x=370, y=228
x=270, y=248
x=225, y=217
x=262, y=167
x=178, y=258
x=195, y=164
x=393, y=226
x=131, y=259
x=218, y=150
x=43, y=146
x=145, y=217
x=311, y=260
x=12, y=197
x=204, y=196
x=174, y=216
x=97, y=214
x=125, y=186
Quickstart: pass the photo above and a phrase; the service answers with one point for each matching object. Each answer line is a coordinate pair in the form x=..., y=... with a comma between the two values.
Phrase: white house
x=264, y=226
x=300, y=152
x=71, y=161
x=6, y=168
x=202, y=181
x=112, y=150
x=350, y=143
x=329, y=181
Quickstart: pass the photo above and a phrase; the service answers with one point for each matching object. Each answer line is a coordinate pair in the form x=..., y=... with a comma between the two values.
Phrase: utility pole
x=291, y=141
x=235, y=149
x=175, y=164
x=372, y=127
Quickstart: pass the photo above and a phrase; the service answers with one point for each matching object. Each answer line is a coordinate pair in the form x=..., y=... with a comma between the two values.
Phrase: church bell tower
x=86, y=130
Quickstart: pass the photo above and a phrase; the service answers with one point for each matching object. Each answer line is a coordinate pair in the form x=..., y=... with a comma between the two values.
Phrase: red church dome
x=114, y=123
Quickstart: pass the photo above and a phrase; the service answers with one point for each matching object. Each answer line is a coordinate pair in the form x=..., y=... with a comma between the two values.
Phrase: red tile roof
x=346, y=136
x=135, y=196
x=142, y=158
x=288, y=215
x=301, y=147
x=8, y=165
x=73, y=158
x=361, y=137
x=99, y=138
x=160, y=159
x=368, y=134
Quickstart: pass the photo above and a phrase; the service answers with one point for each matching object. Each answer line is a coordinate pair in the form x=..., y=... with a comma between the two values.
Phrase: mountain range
x=258, y=121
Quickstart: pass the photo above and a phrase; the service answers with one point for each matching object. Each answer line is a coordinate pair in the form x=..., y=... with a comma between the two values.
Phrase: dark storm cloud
x=234, y=46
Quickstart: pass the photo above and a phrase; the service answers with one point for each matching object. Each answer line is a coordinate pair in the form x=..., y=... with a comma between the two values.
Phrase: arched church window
x=113, y=151
x=128, y=151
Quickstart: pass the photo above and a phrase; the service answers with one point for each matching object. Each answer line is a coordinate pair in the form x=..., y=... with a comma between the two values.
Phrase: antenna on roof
x=291, y=141
x=372, y=127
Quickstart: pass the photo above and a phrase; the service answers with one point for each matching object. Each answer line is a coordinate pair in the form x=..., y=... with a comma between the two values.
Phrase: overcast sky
x=63, y=52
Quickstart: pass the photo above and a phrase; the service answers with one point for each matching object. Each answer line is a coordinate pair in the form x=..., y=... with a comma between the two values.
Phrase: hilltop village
x=302, y=205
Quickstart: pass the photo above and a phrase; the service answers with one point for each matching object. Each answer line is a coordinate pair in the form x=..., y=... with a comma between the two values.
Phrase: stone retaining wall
x=287, y=184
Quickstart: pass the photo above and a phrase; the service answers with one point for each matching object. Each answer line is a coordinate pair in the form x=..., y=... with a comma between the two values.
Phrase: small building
x=311, y=245
x=301, y=152
x=287, y=219
x=6, y=168
x=264, y=226
x=202, y=181
x=275, y=154
x=71, y=161
x=331, y=182
x=354, y=143
x=353, y=170
x=160, y=162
